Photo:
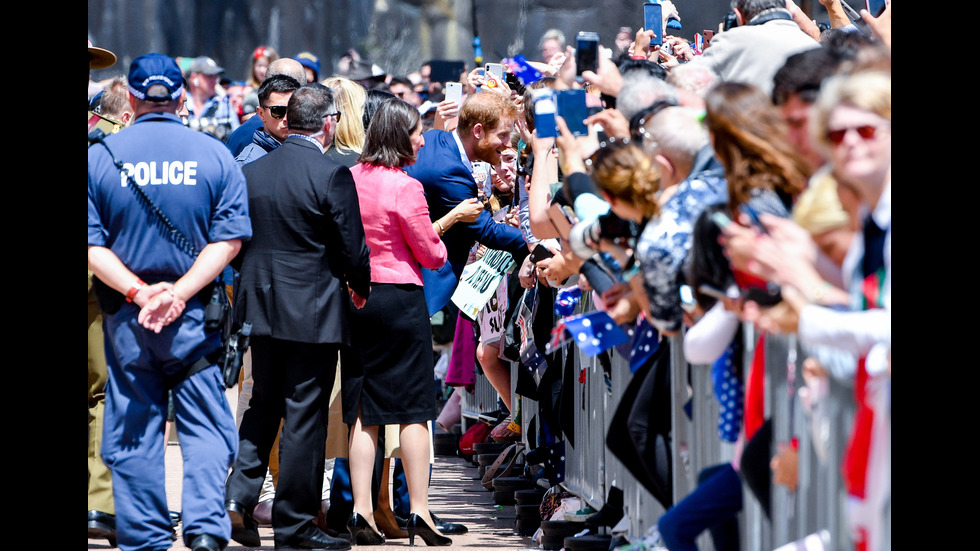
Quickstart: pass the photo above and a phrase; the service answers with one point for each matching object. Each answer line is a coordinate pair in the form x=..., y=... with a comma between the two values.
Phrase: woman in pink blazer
x=386, y=375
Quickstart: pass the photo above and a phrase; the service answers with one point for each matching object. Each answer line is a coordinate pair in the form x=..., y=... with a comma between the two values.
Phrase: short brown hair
x=484, y=108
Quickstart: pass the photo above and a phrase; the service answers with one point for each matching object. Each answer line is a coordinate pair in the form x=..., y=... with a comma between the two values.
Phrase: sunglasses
x=337, y=114
x=606, y=147
x=866, y=131
x=277, y=111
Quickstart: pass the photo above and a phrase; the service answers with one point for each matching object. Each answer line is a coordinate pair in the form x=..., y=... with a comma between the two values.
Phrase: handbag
x=217, y=312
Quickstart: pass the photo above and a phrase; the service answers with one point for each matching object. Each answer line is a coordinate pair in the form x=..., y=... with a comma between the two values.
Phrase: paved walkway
x=455, y=494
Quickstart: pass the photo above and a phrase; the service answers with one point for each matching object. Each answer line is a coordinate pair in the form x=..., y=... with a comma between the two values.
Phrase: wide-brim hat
x=365, y=70
x=99, y=58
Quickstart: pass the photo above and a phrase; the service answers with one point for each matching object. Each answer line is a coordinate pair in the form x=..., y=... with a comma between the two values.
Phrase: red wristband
x=131, y=294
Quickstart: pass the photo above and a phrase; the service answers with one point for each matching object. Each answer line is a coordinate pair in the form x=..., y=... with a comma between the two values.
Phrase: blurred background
x=396, y=35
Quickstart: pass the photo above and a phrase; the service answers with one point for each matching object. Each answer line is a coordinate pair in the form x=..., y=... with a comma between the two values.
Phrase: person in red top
x=386, y=375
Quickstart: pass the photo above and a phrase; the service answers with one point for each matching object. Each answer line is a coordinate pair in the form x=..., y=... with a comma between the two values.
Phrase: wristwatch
x=131, y=294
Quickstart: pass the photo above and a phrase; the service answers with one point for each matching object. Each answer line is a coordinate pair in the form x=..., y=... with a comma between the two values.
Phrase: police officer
x=153, y=319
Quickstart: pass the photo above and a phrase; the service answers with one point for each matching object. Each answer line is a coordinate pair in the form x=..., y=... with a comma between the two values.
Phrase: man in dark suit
x=445, y=168
x=307, y=261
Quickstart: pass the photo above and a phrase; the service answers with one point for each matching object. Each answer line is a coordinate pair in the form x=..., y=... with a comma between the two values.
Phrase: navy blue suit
x=447, y=182
x=242, y=136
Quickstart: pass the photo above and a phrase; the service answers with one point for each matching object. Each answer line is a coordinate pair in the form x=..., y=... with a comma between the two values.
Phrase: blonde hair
x=349, y=98
x=866, y=90
x=625, y=172
x=818, y=208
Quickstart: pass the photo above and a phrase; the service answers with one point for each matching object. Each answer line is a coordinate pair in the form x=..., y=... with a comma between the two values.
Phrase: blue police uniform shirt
x=190, y=176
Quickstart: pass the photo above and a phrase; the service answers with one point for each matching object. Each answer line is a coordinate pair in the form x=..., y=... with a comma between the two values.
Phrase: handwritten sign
x=479, y=281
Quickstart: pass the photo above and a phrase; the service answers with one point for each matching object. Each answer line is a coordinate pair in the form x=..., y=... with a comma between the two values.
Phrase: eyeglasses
x=277, y=111
x=337, y=114
x=866, y=131
x=638, y=121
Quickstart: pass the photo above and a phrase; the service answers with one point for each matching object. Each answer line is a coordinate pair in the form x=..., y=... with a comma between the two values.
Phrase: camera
x=731, y=21
x=219, y=128
x=586, y=235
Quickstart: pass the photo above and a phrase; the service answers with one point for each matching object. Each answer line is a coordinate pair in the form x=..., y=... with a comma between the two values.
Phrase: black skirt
x=388, y=370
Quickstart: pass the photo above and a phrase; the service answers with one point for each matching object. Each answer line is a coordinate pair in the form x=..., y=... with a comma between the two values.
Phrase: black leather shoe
x=319, y=540
x=452, y=528
x=361, y=532
x=244, y=529
x=102, y=525
x=418, y=527
x=174, y=518
x=204, y=542
x=402, y=521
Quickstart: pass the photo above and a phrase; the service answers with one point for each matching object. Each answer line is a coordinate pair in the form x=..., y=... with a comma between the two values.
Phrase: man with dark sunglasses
x=274, y=94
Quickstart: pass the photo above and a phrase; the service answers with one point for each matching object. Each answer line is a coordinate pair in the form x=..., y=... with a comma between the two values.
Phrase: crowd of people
x=742, y=184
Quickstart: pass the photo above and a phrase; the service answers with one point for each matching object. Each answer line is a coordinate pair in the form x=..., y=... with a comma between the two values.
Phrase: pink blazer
x=396, y=223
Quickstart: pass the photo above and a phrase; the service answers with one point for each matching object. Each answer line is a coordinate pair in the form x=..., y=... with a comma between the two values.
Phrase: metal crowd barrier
x=818, y=504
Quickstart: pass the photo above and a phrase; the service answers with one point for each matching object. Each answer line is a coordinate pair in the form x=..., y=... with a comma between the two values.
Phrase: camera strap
x=770, y=15
x=184, y=244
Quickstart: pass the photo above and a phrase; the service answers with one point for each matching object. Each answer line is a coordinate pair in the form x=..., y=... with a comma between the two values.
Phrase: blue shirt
x=190, y=176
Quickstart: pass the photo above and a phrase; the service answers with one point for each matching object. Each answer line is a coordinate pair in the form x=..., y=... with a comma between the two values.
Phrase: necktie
x=856, y=455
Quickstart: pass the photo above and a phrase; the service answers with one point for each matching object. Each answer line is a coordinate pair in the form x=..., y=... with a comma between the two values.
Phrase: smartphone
x=586, y=53
x=721, y=219
x=540, y=252
x=744, y=207
x=544, y=113
x=495, y=69
x=482, y=72
x=572, y=108
x=653, y=20
x=713, y=291
x=454, y=92
x=768, y=296
x=687, y=299
x=875, y=7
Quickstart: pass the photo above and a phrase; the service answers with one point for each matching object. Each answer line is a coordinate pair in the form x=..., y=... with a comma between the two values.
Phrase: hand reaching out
x=608, y=80
x=445, y=111
x=468, y=210
x=881, y=26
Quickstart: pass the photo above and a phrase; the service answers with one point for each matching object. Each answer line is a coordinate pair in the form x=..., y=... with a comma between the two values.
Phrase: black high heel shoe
x=417, y=526
x=361, y=532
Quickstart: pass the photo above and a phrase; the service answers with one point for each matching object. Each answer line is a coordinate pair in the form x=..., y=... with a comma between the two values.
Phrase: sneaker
x=506, y=431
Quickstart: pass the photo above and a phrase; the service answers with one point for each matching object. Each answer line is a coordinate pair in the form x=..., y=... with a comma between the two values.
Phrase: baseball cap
x=152, y=69
x=307, y=59
x=205, y=65
x=99, y=58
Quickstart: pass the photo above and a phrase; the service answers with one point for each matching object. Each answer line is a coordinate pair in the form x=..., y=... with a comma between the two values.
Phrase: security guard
x=153, y=319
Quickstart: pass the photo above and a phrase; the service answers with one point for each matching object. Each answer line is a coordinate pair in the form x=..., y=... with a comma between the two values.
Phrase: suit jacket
x=447, y=182
x=307, y=245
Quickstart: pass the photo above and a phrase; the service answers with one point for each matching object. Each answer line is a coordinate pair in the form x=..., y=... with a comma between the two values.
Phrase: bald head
x=287, y=66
